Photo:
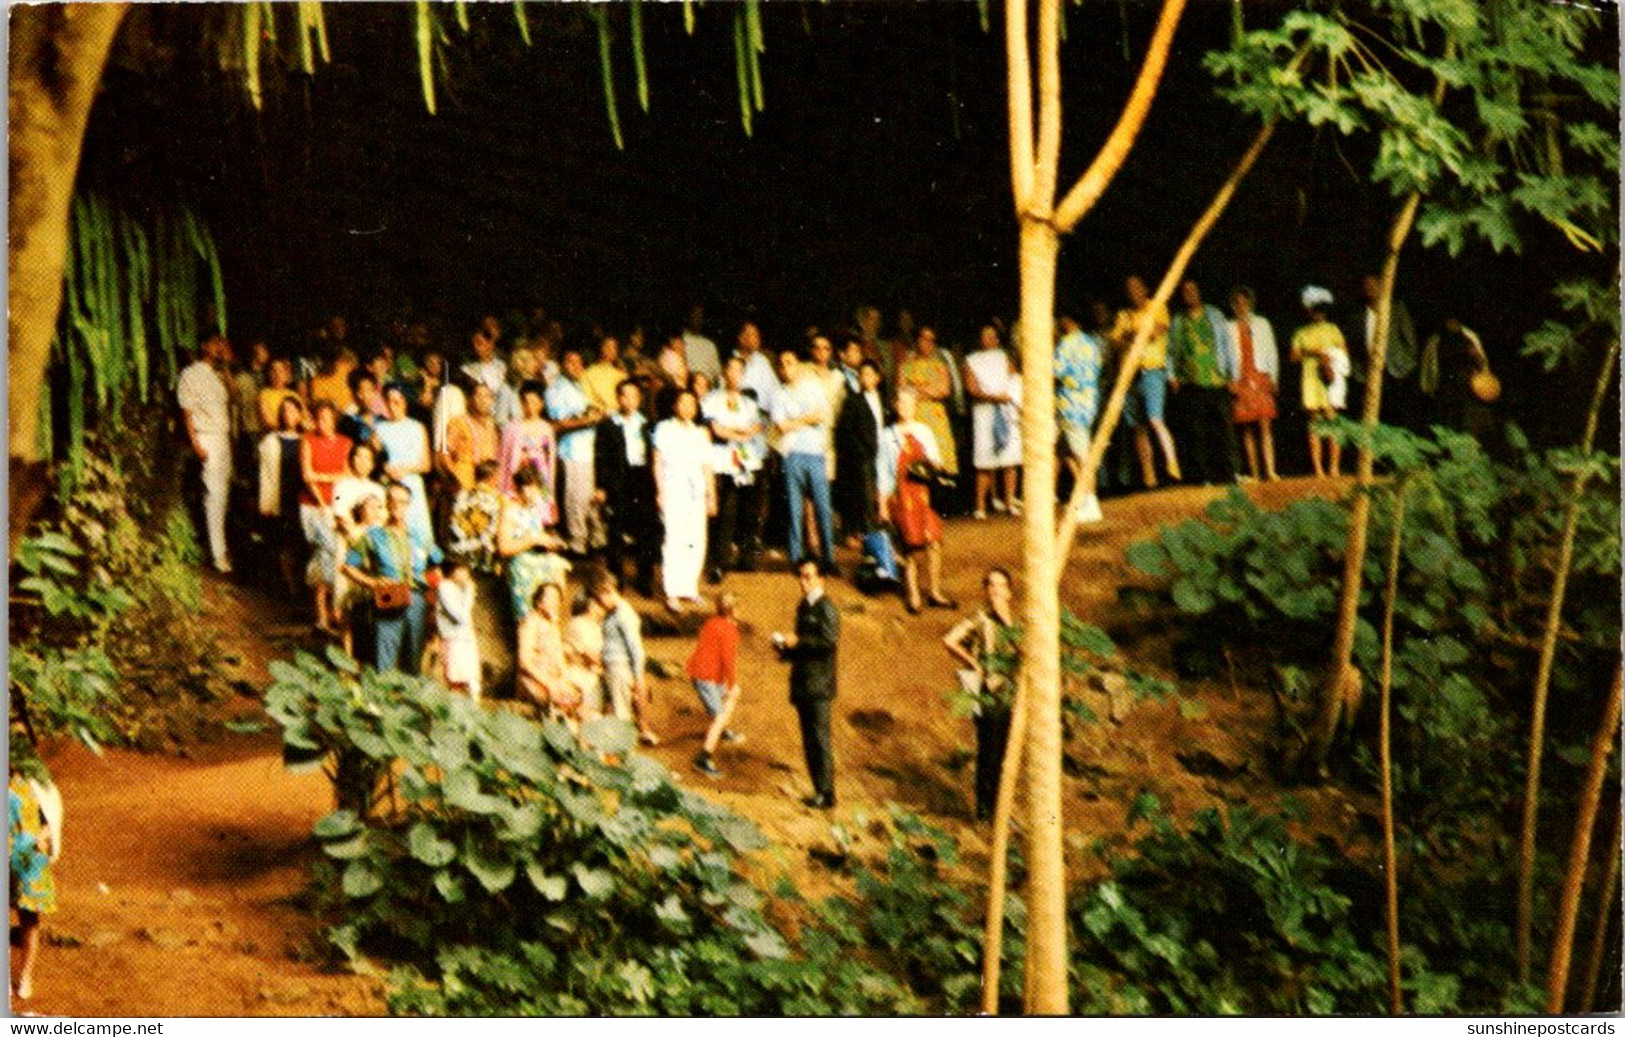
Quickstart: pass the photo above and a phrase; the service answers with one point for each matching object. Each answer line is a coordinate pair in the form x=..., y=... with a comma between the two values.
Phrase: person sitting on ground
x=714, y=669
x=909, y=461
x=986, y=644
x=524, y=541
x=454, y=622
x=543, y=672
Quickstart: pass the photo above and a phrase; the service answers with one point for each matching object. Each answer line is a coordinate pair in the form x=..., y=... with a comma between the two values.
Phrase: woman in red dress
x=909, y=460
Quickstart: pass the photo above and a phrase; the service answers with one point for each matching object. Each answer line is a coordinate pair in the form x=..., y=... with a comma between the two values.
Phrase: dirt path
x=183, y=880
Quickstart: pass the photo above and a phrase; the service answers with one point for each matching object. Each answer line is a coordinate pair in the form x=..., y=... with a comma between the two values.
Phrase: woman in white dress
x=406, y=457
x=686, y=495
x=995, y=389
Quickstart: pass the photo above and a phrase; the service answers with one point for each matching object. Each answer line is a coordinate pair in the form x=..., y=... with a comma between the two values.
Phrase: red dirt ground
x=182, y=880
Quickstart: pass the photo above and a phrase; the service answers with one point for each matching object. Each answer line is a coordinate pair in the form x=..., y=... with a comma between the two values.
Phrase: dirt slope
x=183, y=879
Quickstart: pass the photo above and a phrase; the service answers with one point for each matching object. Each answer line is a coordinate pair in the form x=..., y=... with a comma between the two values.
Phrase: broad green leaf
x=595, y=882
x=361, y=880
x=426, y=846
x=337, y=824
x=552, y=887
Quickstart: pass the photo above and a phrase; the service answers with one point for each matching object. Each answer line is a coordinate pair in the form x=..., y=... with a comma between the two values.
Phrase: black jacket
x=812, y=660
x=857, y=433
x=619, y=481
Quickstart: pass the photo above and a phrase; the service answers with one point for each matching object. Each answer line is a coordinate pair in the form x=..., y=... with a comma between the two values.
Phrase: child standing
x=1320, y=348
x=454, y=621
x=714, y=669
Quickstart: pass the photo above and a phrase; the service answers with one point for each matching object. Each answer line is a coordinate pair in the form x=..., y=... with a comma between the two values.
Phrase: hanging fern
x=127, y=286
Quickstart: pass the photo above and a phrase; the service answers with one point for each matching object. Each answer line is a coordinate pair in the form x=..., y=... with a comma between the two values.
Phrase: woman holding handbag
x=909, y=463
x=391, y=562
x=1254, y=387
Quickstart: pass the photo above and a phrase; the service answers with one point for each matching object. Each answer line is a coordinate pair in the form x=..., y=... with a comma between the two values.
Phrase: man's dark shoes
x=819, y=802
x=707, y=766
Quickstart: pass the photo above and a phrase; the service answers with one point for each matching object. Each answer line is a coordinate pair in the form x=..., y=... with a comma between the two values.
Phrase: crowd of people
x=395, y=481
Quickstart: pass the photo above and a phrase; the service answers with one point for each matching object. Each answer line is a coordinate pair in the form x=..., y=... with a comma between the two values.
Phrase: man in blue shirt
x=574, y=419
x=801, y=415
x=1077, y=400
x=392, y=554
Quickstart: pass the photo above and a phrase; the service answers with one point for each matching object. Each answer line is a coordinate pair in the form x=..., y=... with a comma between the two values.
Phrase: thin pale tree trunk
x=1340, y=694
x=1543, y=674
x=1100, y=436
x=999, y=863
x=1385, y=755
x=57, y=55
x=1034, y=177
x=1607, y=900
x=1602, y=746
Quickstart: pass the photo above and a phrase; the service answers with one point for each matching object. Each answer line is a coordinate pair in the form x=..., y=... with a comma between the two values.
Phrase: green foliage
x=506, y=867
x=129, y=284
x=104, y=637
x=1493, y=112
x=1233, y=917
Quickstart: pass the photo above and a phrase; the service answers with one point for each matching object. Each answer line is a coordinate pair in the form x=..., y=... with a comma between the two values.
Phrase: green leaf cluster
x=504, y=866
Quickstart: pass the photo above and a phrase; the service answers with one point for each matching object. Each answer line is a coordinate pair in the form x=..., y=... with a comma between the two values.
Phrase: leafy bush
x=507, y=868
x=106, y=643
x=1235, y=916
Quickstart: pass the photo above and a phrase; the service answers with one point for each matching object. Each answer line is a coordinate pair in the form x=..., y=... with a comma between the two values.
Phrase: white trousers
x=684, y=551
x=578, y=487
x=216, y=492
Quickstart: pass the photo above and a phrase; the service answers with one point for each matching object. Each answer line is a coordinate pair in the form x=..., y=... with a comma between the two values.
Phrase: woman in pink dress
x=529, y=438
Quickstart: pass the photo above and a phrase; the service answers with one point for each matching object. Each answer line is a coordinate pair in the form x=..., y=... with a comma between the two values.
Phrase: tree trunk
x=1543, y=675
x=57, y=55
x=1041, y=640
x=998, y=862
x=1340, y=693
x=1607, y=901
x=1390, y=859
x=1100, y=436
x=1602, y=745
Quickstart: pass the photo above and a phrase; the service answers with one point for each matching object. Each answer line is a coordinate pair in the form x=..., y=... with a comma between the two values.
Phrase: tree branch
x=1020, y=103
x=1087, y=191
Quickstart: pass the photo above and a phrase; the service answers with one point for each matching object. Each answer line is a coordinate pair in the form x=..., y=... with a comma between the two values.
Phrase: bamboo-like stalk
x=1607, y=899
x=252, y=15
x=524, y=21
x=1602, y=746
x=640, y=65
x=1543, y=671
x=1390, y=859
x=742, y=70
x=600, y=15
x=424, y=33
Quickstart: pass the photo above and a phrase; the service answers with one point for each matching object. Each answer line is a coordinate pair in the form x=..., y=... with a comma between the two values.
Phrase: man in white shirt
x=206, y=402
x=486, y=368
x=699, y=351
x=801, y=414
x=738, y=452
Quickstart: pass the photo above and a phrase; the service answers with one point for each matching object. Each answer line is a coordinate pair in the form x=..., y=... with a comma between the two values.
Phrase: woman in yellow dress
x=926, y=372
x=1320, y=348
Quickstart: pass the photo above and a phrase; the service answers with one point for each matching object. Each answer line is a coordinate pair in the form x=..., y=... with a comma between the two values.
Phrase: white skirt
x=984, y=456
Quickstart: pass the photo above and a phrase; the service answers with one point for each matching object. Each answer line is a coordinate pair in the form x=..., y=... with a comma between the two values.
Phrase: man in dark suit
x=624, y=474
x=810, y=651
x=857, y=443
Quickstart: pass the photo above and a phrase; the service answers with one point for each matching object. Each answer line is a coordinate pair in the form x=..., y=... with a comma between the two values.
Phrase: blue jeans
x=804, y=474
x=400, y=637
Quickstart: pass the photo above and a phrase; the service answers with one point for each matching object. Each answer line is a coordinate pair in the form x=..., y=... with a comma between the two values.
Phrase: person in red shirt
x=714, y=669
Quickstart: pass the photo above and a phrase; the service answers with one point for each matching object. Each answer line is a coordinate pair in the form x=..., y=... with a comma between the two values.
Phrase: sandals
x=942, y=603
